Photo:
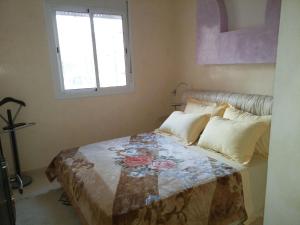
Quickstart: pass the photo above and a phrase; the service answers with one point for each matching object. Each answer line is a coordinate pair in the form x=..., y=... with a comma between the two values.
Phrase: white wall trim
x=119, y=7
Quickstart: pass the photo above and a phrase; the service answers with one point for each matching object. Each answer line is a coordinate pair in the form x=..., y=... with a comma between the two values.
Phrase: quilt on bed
x=149, y=179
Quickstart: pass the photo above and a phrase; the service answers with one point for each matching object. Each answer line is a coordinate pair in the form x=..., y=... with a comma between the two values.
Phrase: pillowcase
x=204, y=107
x=185, y=126
x=262, y=146
x=234, y=139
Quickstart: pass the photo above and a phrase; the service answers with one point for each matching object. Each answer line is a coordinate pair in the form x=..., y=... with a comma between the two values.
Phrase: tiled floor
x=45, y=209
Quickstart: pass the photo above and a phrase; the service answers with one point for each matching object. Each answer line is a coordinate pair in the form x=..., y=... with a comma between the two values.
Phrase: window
x=91, y=50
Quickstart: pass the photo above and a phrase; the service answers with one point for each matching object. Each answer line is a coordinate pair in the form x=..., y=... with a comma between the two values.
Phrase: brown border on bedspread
x=52, y=174
x=137, y=200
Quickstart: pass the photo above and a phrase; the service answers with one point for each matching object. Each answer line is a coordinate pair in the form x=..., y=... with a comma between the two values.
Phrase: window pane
x=110, y=50
x=76, y=50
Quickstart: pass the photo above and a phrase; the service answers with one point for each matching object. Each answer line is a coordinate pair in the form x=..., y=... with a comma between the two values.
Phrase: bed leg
x=64, y=199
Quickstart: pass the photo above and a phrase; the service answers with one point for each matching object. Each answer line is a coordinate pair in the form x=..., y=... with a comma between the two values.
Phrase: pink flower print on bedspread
x=162, y=165
x=140, y=160
x=147, y=160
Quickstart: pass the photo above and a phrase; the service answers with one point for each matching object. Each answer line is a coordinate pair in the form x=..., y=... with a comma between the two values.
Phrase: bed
x=154, y=179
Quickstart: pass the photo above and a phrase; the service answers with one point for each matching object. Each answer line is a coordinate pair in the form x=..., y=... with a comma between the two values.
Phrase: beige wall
x=283, y=195
x=164, y=42
x=256, y=79
x=25, y=73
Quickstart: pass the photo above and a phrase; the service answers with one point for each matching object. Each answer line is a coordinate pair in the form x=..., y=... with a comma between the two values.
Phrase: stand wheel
x=26, y=180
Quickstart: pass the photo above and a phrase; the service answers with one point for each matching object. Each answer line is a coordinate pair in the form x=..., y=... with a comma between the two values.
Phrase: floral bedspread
x=148, y=179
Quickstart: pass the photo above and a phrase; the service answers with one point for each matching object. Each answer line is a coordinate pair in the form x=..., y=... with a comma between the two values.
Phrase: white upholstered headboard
x=255, y=104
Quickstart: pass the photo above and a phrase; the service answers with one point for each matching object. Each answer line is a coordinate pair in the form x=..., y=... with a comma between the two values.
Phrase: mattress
x=254, y=183
x=154, y=179
x=254, y=177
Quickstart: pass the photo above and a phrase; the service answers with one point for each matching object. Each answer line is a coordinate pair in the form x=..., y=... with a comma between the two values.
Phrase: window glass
x=76, y=50
x=110, y=50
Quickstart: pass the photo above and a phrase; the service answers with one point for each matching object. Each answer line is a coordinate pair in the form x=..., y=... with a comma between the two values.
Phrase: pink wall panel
x=217, y=45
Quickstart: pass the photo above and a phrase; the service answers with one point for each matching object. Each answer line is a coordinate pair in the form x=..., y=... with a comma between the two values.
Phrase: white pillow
x=187, y=126
x=204, y=107
x=234, y=139
x=262, y=146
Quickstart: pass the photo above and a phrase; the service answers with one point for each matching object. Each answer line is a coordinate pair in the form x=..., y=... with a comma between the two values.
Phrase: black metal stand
x=19, y=180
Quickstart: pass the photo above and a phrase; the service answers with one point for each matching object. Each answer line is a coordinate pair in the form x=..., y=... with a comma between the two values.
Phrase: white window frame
x=51, y=8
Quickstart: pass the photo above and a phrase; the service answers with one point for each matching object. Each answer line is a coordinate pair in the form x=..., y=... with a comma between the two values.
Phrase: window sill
x=93, y=93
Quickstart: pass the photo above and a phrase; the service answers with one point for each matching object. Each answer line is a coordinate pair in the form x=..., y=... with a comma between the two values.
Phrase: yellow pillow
x=234, y=139
x=185, y=126
x=204, y=107
x=262, y=146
